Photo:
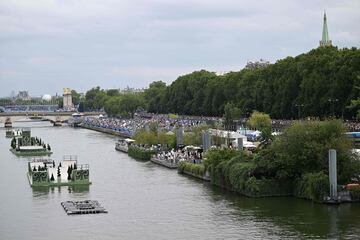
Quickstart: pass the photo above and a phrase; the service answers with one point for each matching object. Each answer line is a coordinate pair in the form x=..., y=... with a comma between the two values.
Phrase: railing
x=44, y=160
x=83, y=167
x=70, y=158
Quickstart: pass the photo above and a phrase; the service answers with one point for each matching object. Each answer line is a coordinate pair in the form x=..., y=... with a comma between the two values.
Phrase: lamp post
x=332, y=101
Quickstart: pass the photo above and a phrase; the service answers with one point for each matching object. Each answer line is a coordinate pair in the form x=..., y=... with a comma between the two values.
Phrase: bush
x=303, y=148
x=355, y=194
x=313, y=186
x=140, y=153
x=196, y=169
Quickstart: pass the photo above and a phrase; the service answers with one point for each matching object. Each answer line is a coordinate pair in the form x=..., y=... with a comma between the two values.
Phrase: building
x=325, y=40
x=257, y=64
x=23, y=95
x=67, y=99
x=131, y=90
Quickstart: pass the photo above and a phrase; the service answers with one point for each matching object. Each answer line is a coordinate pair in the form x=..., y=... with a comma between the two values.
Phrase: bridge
x=46, y=116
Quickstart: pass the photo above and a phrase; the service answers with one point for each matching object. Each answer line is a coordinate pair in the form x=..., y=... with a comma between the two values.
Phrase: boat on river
x=8, y=123
x=123, y=144
x=76, y=119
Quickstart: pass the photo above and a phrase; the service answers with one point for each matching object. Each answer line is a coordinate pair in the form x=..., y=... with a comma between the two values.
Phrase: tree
x=129, y=103
x=112, y=92
x=52, y=177
x=58, y=172
x=144, y=137
x=69, y=172
x=262, y=122
x=75, y=97
x=293, y=87
x=231, y=113
x=112, y=106
x=154, y=95
x=48, y=147
x=13, y=143
x=95, y=99
x=303, y=148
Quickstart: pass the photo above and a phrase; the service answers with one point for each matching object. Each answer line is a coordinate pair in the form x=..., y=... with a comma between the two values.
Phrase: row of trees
x=321, y=83
x=113, y=102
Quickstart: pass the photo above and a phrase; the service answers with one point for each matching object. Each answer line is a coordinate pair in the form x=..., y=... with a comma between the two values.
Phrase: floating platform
x=42, y=173
x=31, y=153
x=82, y=207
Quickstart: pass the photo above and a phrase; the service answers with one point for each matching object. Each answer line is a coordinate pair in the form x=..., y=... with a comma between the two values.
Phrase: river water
x=147, y=201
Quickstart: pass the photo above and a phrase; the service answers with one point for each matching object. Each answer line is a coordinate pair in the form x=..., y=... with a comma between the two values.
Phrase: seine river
x=147, y=201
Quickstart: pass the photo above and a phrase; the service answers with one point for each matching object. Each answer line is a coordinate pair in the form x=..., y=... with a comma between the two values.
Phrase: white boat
x=123, y=144
x=76, y=119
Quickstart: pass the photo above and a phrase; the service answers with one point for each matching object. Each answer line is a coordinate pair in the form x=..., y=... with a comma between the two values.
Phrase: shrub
x=140, y=153
x=313, y=186
x=355, y=194
x=196, y=169
x=303, y=148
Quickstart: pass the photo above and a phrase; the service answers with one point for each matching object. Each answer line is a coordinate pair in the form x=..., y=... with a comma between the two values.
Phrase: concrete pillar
x=67, y=99
x=332, y=174
x=240, y=143
x=179, y=136
x=206, y=140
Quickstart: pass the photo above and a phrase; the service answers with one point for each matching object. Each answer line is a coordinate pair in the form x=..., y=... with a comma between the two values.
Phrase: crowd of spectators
x=352, y=126
x=129, y=127
x=176, y=156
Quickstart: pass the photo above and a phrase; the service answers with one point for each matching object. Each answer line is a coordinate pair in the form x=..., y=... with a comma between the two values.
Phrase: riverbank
x=105, y=130
x=267, y=173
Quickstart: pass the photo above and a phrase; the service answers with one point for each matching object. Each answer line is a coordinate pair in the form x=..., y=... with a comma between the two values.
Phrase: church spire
x=325, y=41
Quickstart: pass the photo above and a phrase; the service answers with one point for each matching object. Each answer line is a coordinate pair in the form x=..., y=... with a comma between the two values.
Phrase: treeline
x=113, y=101
x=320, y=83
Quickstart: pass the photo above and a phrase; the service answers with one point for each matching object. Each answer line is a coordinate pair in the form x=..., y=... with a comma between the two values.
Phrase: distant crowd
x=128, y=127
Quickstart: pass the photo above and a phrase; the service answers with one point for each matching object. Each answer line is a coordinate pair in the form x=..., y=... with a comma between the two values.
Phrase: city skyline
x=48, y=45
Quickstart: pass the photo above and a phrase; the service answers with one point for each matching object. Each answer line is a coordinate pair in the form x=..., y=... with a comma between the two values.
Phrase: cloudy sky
x=46, y=45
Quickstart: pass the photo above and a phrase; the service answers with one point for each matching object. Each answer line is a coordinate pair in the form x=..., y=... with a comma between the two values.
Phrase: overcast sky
x=46, y=45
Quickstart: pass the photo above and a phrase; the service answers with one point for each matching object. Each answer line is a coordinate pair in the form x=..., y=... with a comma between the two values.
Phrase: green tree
x=130, y=102
x=75, y=97
x=303, y=148
x=231, y=113
x=113, y=106
x=262, y=122
x=154, y=95
x=112, y=92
